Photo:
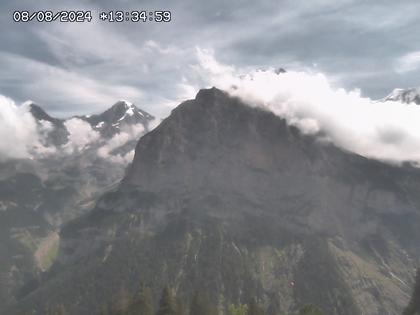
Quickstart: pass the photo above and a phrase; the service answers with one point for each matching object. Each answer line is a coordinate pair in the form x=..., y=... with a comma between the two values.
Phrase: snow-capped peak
x=100, y=124
x=129, y=108
x=130, y=111
x=406, y=96
x=127, y=103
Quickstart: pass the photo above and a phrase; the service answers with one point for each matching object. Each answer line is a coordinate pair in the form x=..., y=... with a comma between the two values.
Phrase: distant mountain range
x=37, y=195
x=232, y=200
x=405, y=96
x=109, y=123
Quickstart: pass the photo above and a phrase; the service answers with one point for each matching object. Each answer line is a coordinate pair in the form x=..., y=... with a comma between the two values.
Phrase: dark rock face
x=58, y=135
x=230, y=198
x=414, y=307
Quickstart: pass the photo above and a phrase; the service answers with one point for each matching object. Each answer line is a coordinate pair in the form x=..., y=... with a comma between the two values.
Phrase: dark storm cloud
x=73, y=68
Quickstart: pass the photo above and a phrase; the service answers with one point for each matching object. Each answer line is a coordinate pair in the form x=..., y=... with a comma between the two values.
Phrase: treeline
x=171, y=304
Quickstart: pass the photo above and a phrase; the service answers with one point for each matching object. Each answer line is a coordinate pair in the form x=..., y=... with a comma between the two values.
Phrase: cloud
x=388, y=131
x=18, y=130
x=102, y=62
x=126, y=135
x=53, y=84
x=81, y=135
x=408, y=62
x=24, y=138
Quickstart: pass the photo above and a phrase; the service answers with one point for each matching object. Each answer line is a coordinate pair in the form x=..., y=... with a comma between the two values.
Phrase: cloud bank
x=409, y=62
x=74, y=68
x=131, y=133
x=81, y=135
x=23, y=138
x=388, y=131
x=18, y=130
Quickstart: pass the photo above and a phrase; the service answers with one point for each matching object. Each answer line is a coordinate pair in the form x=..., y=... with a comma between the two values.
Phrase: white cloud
x=78, y=44
x=22, y=137
x=408, y=62
x=53, y=84
x=118, y=140
x=154, y=46
x=81, y=135
x=154, y=123
x=18, y=130
x=387, y=131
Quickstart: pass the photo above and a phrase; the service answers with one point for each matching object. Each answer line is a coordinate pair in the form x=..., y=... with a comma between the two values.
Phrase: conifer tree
x=180, y=309
x=240, y=309
x=55, y=310
x=200, y=305
x=122, y=302
x=104, y=309
x=167, y=305
x=142, y=303
x=254, y=308
x=310, y=309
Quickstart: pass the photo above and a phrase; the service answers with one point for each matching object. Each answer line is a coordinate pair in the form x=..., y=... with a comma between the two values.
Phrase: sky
x=81, y=68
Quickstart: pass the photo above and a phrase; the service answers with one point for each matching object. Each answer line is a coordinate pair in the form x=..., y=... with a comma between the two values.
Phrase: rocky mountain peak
x=406, y=96
x=229, y=197
x=40, y=114
x=55, y=136
x=123, y=110
x=122, y=113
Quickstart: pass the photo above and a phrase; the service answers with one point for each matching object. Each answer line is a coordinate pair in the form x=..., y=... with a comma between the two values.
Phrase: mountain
x=122, y=113
x=231, y=199
x=114, y=120
x=40, y=114
x=38, y=195
x=56, y=133
x=405, y=96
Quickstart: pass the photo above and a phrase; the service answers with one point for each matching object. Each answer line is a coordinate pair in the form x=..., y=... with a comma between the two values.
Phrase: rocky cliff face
x=230, y=198
x=58, y=135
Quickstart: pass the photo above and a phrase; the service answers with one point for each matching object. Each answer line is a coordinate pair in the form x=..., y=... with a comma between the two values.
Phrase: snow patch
x=100, y=124
x=127, y=103
x=130, y=111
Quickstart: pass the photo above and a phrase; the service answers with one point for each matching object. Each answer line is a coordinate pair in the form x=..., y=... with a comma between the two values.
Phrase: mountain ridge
x=406, y=96
x=231, y=198
x=40, y=193
x=108, y=123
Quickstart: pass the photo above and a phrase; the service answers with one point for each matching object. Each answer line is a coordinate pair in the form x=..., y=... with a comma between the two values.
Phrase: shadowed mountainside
x=230, y=198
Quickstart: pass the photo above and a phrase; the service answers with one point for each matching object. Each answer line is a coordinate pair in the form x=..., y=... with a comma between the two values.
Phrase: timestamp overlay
x=136, y=16
x=81, y=16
